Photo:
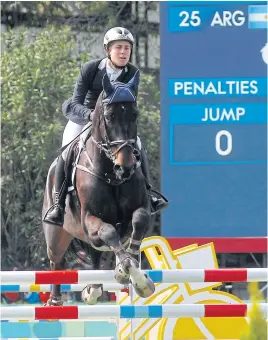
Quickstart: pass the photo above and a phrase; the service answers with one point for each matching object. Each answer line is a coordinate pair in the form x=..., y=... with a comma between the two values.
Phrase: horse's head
x=115, y=125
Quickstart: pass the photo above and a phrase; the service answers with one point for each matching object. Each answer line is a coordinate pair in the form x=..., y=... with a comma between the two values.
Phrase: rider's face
x=120, y=52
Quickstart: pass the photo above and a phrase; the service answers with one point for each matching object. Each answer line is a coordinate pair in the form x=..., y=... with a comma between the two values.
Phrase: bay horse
x=111, y=211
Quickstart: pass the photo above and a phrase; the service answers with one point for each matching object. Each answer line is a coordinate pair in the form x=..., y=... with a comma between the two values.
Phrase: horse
x=111, y=209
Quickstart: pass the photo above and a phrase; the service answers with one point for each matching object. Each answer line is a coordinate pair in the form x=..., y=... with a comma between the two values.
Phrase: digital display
x=214, y=119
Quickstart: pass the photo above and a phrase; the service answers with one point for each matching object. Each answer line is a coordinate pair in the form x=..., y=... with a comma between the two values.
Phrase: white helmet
x=116, y=34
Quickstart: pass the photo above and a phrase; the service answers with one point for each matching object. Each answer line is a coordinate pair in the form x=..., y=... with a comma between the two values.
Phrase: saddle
x=72, y=159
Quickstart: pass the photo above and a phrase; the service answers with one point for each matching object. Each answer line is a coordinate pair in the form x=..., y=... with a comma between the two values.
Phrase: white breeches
x=72, y=130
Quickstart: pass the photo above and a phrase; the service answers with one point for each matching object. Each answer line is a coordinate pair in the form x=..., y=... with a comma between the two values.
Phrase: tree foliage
x=36, y=78
x=73, y=13
x=149, y=123
x=38, y=75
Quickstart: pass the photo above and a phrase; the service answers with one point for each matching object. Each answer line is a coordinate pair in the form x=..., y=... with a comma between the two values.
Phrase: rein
x=108, y=178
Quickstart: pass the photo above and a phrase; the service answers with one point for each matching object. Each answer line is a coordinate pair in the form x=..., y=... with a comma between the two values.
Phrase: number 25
x=187, y=20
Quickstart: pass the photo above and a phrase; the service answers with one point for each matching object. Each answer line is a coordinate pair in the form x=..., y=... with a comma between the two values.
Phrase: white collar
x=103, y=63
x=110, y=70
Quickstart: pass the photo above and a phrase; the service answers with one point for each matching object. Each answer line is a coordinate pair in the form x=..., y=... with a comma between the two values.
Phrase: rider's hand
x=89, y=115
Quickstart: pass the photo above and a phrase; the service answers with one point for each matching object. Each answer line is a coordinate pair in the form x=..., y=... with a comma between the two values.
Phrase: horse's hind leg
x=55, y=296
x=92, y=292
x=58, y=241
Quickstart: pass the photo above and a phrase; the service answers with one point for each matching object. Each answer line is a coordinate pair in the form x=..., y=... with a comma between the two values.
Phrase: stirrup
x=159, y=203
x=159, y=194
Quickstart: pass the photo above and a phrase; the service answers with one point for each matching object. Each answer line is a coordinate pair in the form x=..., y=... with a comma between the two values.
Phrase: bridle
x=106, y=147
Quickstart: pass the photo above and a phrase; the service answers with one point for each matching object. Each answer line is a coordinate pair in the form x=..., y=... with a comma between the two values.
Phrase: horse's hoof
x=142, y=284
x=121, y=272
x=90, y=294
x=54, y=301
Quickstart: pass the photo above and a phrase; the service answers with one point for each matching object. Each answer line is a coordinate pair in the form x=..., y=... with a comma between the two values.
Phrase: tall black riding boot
x=56, y=215
x=157, y=204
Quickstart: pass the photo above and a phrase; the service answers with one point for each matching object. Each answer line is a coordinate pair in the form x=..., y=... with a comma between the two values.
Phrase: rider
x=118, y=44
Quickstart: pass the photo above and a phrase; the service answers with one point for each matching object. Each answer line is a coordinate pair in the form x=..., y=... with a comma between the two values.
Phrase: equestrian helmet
x=117, y=34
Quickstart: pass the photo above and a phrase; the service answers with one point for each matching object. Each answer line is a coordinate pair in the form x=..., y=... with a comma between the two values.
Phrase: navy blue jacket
x=88, y=88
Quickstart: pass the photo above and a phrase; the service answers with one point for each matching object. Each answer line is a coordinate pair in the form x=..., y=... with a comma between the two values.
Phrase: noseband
x=107, y=148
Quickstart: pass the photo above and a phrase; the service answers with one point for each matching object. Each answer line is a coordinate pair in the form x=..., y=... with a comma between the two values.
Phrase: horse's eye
x=109, y=116
x=108, y=112
x=136, y=112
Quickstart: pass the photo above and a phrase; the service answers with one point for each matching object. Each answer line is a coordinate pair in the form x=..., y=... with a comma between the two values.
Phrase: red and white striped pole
x=107, y=276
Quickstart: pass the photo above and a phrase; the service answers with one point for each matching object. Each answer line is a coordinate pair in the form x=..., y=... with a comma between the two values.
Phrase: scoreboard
x=213, y=79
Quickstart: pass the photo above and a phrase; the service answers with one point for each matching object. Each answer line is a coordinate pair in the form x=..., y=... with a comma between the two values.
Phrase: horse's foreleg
x=128, y=266
x=100, y=232
x=142, y=284
x=108, y=234
x=140, y=223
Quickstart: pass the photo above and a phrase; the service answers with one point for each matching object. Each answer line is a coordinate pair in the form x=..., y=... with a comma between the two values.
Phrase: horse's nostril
x=117, y=167
x=128, y=168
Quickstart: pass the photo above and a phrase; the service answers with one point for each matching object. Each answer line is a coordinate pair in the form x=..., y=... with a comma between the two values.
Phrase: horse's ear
x=134, y=82
x=107, y=86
